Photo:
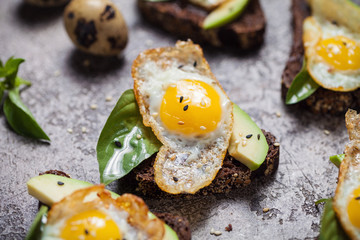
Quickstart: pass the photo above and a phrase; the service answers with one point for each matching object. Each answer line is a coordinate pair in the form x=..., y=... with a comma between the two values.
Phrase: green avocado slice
x=248, y=144
x=225, y=13
x=49, y=189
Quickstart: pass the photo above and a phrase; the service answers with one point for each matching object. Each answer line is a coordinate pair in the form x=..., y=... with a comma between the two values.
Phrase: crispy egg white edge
x=118, y=216
x=317, y=28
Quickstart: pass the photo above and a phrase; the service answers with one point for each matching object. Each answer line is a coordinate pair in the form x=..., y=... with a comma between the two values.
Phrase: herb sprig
x=17, y=114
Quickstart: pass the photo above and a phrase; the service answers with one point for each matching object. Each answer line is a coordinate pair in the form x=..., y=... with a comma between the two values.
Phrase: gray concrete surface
x=63, y=90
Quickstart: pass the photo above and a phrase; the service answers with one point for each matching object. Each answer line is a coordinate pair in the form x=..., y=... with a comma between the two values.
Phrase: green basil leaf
x=124, y=141
x=20, y=118
x=337, y=159
x=11, y=68
x=20, y=81
x=36, y=228
x=330, y=226
x=301, y=87
x=2, y=90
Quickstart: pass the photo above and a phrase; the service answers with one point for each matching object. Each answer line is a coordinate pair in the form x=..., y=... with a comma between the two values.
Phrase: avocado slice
x=248, y=144
x=49, y=189
x=225, y=13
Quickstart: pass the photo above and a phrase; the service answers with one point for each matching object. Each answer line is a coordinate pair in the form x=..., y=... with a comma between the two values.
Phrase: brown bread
x=185, y=20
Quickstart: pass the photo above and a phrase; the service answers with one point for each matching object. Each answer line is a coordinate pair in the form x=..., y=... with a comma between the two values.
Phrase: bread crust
x=185, y=21
x=323, y=100
x=233, y=174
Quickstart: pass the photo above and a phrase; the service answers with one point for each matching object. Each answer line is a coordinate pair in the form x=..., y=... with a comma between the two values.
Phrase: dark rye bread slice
x=233, y=174
x=323, y=100
x=185, y=20
x=179, y=224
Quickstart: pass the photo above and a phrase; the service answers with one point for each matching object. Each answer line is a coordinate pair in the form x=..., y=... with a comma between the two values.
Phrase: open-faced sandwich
x=221, y=23
x=341, y=217
x=74, y=209
x=324, y=64
x=178, y=132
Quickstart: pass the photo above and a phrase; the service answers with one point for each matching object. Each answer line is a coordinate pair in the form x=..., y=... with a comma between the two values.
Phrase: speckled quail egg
x=347, y=196
x=47, y=3
x=96, y=26
x=92, y=213
x=189, y=112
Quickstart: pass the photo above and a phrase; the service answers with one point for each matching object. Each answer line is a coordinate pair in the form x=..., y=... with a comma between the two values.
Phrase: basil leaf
x=330, y=226
x=2, y=90
x=19, y=81
x=20, y=118
x=35, y=230
x=124, y=141
x=301, y=87
x=337, y=159
x=11, y=70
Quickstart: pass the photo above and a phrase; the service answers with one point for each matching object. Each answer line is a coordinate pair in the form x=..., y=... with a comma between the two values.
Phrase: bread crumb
x=228, y=228
x=265, y=210
x=278, y=114
x=276, y=144
x=149, y=43
x=327, y=132
x=69, y=130
x=109, y=98
x=83, y=130
x=216, y=233
x=57, y=73
x=93, y=106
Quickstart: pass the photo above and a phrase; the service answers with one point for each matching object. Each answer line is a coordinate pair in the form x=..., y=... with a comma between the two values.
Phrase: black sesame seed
x=60, y=183
x=249, y=136
x=118, y=144
x=186, y=107
x=71, y=15
x=175, y=179
x=357, y=198
x=180, y=66
x=258, y=136
x=181, y=99
x=86, y=232
x=195, y=64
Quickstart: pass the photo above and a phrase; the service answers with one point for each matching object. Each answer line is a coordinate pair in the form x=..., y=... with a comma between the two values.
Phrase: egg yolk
x=90, y=225
x=353, y=208
x=190, y=107
x=340, y=52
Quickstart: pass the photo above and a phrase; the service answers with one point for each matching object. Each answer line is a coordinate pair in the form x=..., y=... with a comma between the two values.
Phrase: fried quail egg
x=189, y=112
x=92, y=213
x=347, y=196
x=332, y=53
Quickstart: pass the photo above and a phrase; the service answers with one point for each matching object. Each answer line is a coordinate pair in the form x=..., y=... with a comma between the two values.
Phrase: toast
x=179, y=224
x=185, y=20
x=323, y=100
x=233, y=174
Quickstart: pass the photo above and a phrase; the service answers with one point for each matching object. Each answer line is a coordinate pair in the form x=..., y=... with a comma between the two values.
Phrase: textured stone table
x=63, y=90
